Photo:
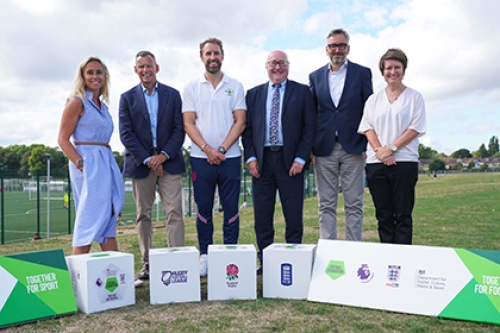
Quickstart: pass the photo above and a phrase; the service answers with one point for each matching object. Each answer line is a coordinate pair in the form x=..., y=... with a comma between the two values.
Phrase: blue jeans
x=205, y=178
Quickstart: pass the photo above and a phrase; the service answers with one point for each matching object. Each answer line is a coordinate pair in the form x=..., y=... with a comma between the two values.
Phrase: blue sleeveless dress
x=99, y=190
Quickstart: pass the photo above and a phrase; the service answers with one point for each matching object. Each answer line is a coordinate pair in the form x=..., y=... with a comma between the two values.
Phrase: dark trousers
x=274, y=176
x=205, y=178
x=393, y=192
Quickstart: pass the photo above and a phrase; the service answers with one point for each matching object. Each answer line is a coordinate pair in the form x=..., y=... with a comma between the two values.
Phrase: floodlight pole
x=47, y=156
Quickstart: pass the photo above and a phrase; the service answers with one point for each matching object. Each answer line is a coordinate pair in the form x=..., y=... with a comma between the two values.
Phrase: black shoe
x=144, y=272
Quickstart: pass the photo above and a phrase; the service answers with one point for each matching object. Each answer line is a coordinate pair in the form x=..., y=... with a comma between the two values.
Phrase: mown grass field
x=454, y=211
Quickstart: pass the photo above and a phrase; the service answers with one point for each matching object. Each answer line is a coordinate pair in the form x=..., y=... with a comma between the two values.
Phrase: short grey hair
x=339, y=32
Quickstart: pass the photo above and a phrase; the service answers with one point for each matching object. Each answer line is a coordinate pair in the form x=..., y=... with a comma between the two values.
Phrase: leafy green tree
x=120, y=158
x=12, y=155
x=471, y=165
x=461, y=153
x=187, y=153
x=426, y=152
x=493, y=147
x=36, y=159
x=481, y=152
x=437, y=164
x=484, y=166
x=58, y=162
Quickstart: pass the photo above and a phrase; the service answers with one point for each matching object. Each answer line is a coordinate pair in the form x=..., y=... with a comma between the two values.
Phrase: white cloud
x=376, y=17
x=321, y=22
x=451, y=46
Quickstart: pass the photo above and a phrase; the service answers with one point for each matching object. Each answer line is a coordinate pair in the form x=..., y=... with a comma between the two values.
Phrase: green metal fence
x=30, y=204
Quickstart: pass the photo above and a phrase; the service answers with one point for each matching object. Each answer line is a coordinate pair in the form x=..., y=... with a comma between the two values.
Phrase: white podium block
x=287, y=270
x=174, y=275
x=232, y=272
x=102, y=280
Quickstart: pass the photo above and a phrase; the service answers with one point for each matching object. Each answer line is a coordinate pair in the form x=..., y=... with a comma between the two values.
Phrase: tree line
x=484, y=151
x=23, y=160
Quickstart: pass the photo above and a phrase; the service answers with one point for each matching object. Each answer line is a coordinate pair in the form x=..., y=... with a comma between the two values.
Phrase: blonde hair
x=79, y=85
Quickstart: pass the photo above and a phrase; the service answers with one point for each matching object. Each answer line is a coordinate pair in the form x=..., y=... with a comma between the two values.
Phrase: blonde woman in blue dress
x=96, y=180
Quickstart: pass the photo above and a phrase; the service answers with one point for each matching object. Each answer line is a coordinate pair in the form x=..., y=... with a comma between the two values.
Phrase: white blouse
x=390, y=121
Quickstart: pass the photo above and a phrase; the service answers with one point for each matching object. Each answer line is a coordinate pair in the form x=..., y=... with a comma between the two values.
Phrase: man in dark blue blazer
x=152, y=131
x=277, y=141
x=340, y=90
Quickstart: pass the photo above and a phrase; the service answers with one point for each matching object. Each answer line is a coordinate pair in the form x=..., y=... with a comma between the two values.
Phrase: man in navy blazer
x=152, y=131
x=340, y=90
x=278, y=150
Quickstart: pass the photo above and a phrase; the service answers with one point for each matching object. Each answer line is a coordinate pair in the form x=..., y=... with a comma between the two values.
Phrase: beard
x=337, y=62
x=213, y=70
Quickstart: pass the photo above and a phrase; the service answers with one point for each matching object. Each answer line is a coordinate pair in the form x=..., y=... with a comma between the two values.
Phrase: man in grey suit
x=152, y=131
x=340, y=90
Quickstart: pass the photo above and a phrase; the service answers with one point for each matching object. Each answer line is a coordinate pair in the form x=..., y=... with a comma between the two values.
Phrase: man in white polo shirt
x=214, y=114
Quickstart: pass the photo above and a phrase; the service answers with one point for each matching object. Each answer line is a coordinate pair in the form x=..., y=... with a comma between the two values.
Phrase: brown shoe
x=144, y=272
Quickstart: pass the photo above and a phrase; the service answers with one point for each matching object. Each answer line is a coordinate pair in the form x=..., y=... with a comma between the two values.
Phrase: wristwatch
x=79, y=163
x=222, y=150
x=393, y=147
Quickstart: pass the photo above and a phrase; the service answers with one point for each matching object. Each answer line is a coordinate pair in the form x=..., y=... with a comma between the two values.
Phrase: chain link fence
x=40, y=206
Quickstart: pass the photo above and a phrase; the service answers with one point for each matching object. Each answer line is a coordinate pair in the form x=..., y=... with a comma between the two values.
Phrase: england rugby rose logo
x=232, y=272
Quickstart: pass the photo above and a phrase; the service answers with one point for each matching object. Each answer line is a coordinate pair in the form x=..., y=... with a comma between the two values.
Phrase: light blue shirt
x=267, y=143
x=152, y=105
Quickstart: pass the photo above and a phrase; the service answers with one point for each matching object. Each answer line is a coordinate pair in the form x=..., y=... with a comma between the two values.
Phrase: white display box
x=287, y=270
x=174, y=275
x=232, y=272
x=102, y=280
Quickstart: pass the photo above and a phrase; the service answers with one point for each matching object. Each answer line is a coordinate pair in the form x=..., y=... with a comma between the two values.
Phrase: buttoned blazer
x=343, y=119
x=298, y=123
x=135, y=130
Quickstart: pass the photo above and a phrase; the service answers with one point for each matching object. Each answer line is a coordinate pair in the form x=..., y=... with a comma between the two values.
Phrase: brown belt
x=93, y=144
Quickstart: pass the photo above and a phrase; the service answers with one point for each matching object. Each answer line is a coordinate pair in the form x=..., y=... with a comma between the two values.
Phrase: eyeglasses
x=341, y=46
x=273, y=64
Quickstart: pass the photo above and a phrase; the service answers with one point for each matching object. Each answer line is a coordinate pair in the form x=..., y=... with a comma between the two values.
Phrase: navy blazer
x=298, y=123
x=345, y=118
x=135, y=130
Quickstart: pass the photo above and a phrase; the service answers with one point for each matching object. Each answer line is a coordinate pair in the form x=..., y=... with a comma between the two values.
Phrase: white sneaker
x=138, y=283
x=203, y=265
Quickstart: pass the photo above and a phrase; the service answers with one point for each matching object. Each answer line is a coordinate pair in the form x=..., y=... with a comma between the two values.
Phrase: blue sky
x=451, y=45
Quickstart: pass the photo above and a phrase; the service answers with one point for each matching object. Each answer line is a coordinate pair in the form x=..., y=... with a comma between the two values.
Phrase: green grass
x=454, y=211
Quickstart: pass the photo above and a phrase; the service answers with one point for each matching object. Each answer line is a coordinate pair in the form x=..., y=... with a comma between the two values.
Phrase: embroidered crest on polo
x=275, y=111
x=229, y=92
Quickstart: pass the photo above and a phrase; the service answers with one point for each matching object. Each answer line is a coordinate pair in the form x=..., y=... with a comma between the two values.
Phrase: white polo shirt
x=390, y=121
x=214, y=111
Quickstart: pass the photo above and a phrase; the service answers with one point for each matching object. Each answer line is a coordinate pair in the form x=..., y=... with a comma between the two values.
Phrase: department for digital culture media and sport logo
x=169, y=277
x=364, y=273
x=393, y=275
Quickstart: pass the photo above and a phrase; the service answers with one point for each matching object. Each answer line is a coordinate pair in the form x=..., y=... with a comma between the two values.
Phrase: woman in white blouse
x=393, y=120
